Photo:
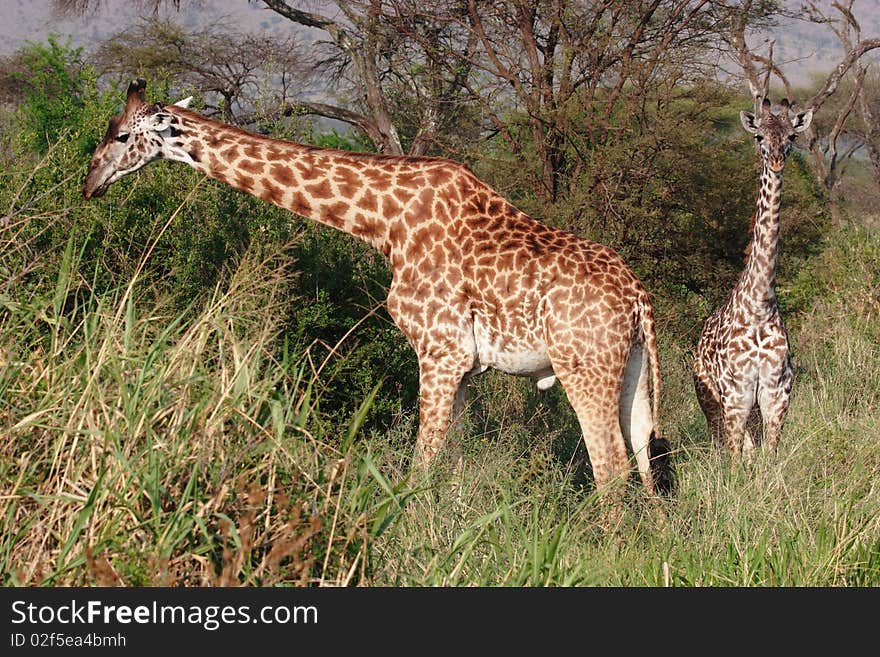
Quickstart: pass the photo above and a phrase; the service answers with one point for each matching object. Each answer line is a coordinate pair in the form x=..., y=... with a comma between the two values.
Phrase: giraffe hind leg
x=774, y=407
x=594, y=396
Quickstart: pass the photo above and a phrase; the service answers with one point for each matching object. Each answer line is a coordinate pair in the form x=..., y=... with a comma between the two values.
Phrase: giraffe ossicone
x=742, y=371
x=476, y=283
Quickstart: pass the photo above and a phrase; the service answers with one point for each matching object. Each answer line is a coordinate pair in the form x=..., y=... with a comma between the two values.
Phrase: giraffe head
x=775, y=132
x=133, y=139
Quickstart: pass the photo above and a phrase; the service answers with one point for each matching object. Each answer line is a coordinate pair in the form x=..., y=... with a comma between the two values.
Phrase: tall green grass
x=142, y=447
x=148, y=446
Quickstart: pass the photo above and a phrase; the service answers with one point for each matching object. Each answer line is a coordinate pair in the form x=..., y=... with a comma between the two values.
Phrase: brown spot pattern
x=282, y=175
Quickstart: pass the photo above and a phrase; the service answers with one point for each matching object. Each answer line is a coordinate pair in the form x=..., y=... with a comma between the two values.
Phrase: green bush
x=56, y=86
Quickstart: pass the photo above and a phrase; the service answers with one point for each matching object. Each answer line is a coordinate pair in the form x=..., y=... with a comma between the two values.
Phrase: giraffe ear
x=159, y=121
x=748, y=122
x=802, y=121
x=184, y=102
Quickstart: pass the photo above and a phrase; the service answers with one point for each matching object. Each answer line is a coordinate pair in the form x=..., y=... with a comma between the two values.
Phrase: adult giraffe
x=476, y=283
x=743, y=361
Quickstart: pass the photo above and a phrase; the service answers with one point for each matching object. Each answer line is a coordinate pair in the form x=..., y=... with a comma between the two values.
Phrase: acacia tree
x=826, y=155
x=357, y=44
x=386, y=50
x=229, y=67
x=371, y=63
x=573, y=67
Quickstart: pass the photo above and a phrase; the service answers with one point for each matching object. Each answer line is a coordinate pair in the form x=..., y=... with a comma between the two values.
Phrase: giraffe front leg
x=774, y=404
x=739, y=443
x=748, y=445
x=734, y=434
x=737, y=401
x=772, y=432
x=775, y=379
x=708, y=398
x=441, y=399
x=446, y=355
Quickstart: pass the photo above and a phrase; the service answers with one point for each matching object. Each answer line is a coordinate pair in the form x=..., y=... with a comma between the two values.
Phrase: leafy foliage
x=53, y=85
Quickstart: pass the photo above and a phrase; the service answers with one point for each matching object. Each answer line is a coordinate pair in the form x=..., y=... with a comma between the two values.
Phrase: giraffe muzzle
x=93, y=187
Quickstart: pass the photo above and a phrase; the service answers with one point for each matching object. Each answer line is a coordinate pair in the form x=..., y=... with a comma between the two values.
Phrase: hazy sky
x=34, y=20
x=803, y=47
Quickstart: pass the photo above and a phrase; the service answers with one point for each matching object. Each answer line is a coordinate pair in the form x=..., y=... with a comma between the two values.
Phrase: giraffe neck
x=758, y=281
x=328, y=186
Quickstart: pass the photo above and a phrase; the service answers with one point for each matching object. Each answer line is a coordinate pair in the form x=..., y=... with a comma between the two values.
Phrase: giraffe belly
x=521, y=356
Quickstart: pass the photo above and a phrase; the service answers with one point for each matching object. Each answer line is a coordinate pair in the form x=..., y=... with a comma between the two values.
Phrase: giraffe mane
x=748, y=249
x=237, y=131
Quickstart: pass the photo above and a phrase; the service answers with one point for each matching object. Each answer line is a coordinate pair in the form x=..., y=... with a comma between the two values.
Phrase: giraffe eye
x=759, y=138
x=792, y=137
x=122, y=138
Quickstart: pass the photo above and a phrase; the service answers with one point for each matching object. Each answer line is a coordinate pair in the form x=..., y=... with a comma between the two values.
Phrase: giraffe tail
x=658, y=446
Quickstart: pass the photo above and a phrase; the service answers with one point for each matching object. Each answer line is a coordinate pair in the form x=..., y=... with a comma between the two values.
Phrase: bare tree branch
x=853, y=49
x=214, y=59
x=833, y=80
x=831, y=173
x=823, y=148
x=872, y=126
x=361, y=50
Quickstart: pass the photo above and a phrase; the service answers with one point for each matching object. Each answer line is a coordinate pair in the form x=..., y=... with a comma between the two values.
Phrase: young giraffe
x=743, y=362
x=476, y=283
